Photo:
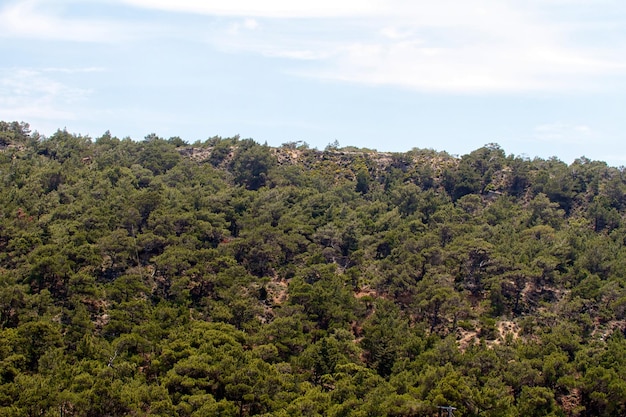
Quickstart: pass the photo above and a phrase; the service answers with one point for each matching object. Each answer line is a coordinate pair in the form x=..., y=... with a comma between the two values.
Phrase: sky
x=541, y=78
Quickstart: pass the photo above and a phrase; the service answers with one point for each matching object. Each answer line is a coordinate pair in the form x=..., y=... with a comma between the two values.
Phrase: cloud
x=480, y=46
x=268, y=8
x=559, y=132
x=72, y=70
x=473, y=68
x=247, y=24
x=448, y=46
x=33, y=94
x=35, y=19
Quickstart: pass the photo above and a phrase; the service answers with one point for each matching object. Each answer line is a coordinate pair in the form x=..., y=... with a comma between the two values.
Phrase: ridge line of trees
x=231, y=278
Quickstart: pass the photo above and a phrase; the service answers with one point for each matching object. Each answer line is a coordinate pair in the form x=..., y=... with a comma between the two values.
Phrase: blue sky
x=539, y=77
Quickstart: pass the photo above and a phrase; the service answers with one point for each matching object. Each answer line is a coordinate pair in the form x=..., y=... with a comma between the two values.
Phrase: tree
x=251, y=164
x=383, y=336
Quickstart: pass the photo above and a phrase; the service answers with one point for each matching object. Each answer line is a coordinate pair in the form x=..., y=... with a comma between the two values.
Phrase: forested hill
x=231, y=278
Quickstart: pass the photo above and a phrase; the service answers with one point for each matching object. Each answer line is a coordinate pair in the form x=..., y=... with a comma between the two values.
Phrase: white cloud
x=478, y=67
x=72, y=70
x=268, y=8
x=559, y=132
x=36, y=19
x=396, y=33
x=452, y=46
x=250, y=24
x=245, y=25
x=31, y=94
x=481, y=46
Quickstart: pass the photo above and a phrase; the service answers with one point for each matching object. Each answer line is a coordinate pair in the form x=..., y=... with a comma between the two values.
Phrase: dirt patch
x=364, y=292
x=571, y=402
x=467, y=338
x=604, y=331
x=508, y=327
x=277, y=291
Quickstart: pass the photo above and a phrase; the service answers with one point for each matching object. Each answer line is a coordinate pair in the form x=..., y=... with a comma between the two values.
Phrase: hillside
x=230, y=278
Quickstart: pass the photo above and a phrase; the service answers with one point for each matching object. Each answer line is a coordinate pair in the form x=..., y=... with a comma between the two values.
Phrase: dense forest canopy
x=231, y=278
